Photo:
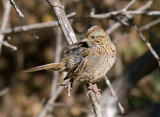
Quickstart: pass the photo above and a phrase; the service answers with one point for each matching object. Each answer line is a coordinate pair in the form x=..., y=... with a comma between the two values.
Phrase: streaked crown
x=96, y=31
x=97, y=35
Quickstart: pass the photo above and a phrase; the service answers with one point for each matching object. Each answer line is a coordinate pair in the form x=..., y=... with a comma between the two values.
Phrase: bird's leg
x=71, y=75
x=68, y=86
x=96, y=91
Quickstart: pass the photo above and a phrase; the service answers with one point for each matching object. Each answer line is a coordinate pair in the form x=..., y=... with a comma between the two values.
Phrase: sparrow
x=88, y=60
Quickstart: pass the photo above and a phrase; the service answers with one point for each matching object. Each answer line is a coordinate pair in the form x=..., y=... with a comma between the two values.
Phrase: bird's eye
x=93, y=37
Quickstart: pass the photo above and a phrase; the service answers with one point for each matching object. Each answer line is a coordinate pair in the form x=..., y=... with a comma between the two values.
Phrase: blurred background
x=135, y=75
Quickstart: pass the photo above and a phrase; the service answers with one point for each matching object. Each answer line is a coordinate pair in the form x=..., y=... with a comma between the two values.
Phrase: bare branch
x=146, y=6
x=14, y=5
x=5, y=43
x=123, y=12
x=65, y=25
x=57, y=59
x=123, y=84
x=128, y=5
x=113, y=27
x=55, y=73
x=4, y=23
x=117, y=24
x=148, y=44
x=114, y=94
x=149, y=25
x=71, y=38
x=141, y=12
x=4, y=91
x=96, y=100
x=33, y=26
x=5, y=17
x=51, y=101
x=107, y=15
x=63, y=20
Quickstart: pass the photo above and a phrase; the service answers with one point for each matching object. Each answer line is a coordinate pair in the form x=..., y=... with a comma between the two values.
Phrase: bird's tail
x=51, y=66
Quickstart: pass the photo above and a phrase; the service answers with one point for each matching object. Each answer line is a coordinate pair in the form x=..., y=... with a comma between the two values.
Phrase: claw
x=96, y=91
x=68, y=86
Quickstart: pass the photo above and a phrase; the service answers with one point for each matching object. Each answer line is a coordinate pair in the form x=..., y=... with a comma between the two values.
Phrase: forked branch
x=71, y=38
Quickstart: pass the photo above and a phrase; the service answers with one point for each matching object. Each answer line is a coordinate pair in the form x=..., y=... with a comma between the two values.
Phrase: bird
x=87, y=60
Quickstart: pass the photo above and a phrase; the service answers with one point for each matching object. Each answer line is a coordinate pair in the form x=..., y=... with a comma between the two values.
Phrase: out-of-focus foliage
x=28, y=93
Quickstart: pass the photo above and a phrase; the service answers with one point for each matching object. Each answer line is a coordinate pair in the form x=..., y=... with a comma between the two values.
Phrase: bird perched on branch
x=88, y=60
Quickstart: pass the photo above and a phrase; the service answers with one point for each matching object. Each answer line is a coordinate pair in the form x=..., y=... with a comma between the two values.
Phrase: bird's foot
x=68, y=86
x=92, y=88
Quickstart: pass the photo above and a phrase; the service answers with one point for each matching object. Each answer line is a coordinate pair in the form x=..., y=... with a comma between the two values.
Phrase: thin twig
x=135, y=72
x=32, y=27
x=148, y=44
x=57, y=59
x=117, y=24
x=149, y=25
x=52, y=100
x=150, y=13
x=14, y=5
x=55, y=73
x=4, y=91
x=114, y=95
x=113, y=27
x=128, y=5
x=5, y=43
x=4, y=23
x=123, y=12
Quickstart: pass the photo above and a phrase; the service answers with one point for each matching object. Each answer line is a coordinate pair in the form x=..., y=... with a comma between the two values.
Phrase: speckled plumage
x=88, y=60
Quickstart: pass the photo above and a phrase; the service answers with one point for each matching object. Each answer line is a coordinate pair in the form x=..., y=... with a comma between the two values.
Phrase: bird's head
x=97, y=35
